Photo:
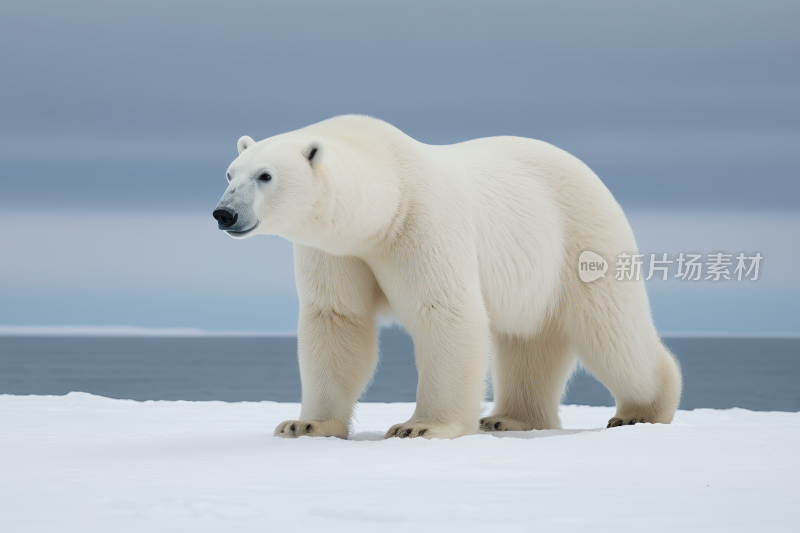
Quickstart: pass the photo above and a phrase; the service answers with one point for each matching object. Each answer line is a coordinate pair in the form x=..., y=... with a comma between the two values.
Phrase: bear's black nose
x=225, y=219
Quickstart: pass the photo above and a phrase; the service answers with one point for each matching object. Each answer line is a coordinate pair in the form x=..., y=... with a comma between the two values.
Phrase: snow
x=87, y=463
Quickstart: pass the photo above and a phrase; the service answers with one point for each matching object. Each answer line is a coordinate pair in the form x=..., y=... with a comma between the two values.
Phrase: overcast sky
x=137, y=106
x=118, y=120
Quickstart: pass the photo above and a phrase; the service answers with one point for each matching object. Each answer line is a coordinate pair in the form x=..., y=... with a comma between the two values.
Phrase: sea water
x=752, y=373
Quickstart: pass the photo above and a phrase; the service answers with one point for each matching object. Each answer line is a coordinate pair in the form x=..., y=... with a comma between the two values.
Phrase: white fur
x=473, y=247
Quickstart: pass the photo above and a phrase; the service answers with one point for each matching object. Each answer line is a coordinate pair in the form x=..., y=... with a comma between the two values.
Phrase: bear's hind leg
x=529, y=376
x=643, y=377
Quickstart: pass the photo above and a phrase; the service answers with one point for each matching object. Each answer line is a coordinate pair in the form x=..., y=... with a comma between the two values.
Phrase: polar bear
x=473, y=248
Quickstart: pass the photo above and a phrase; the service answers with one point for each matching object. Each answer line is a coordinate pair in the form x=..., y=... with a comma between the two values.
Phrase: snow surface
x=87, y=463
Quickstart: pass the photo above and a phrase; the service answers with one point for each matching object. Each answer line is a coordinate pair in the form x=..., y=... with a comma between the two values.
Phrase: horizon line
x=136, y=331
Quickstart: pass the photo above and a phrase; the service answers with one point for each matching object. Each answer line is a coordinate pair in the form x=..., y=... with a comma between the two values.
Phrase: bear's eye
x=228, y=175
x=264, y=177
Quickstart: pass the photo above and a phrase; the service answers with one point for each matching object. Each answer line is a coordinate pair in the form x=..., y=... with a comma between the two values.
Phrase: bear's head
x=272, y=186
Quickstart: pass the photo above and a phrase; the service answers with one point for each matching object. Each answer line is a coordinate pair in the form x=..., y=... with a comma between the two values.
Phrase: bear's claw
x=295, y=428
x=501, y=423
x=291, y=429
x=398, y=430
x=426, y=430
x=616, y=422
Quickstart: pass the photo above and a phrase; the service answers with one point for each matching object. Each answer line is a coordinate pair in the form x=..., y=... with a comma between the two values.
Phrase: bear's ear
x=244, y=143
x=314, y=152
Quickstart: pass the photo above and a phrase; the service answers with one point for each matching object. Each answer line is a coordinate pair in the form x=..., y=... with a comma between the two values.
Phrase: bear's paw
x=291, y=429
x=616, y=421
x=503, y=423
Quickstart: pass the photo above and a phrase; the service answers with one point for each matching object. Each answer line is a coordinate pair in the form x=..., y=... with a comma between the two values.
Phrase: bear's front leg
x=336, y=340
x=337, y=355
x=451, y=347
